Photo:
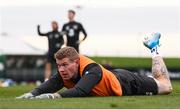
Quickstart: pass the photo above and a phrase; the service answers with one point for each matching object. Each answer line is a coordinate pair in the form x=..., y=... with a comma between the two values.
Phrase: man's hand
x=78, y=42
x=47, y=96
x=38, y=26
x=25, y=96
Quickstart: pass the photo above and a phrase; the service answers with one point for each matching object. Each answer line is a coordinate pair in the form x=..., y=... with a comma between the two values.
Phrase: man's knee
x=167, y=90
x=164, y=87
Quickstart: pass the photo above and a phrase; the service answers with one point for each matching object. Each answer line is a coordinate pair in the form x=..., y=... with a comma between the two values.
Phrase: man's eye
x=65, y=65
x=62, y=65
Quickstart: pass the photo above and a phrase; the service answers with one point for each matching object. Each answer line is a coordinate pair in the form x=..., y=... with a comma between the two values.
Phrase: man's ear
x=77, y=61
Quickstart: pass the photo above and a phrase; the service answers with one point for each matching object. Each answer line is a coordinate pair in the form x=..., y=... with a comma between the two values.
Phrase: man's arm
x=54, y=84
x=63, y=31
x=61, y=39
x=83, y=31
x=39, y=32
x=92, y=76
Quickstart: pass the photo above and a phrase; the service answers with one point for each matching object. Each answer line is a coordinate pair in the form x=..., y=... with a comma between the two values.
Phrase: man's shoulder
x=79, y=23
x=52, y=32
x=76, y=22
x=72, y=23
x=65, y=24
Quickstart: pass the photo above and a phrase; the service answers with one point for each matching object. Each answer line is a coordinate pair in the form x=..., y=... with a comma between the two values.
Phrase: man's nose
x=61, y=68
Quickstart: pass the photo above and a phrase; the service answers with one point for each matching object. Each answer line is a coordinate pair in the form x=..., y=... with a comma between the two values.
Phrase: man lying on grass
x=84, y=77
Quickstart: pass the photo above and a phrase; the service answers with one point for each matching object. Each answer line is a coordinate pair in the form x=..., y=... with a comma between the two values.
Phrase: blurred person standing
x=72, y=30
x=55, y=41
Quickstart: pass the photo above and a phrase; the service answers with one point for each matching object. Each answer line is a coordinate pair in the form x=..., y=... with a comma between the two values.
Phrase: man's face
x=71, y=16
x=68, y=69
x=54, y=26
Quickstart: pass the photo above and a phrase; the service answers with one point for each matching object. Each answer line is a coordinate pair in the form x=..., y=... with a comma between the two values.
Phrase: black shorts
x=136, y=84
x=50, y=58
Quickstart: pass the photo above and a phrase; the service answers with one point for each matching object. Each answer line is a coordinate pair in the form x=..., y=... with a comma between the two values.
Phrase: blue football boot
x=152, y=41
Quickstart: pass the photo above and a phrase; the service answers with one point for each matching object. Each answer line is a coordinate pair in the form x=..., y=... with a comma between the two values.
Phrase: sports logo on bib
x=71, y=32
x=67, y=28
x=75, y=27
x=50, y=36
x=56, y=36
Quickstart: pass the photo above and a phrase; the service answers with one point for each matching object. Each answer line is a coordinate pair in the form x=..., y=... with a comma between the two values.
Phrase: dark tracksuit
x=55, y=41
x=72, y=31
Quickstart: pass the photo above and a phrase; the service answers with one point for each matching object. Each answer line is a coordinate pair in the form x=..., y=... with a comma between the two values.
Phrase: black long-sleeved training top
x=55, y=39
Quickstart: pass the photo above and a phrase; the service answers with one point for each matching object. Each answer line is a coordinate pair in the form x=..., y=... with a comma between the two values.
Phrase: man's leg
x=159, y=70
x=48, y=71
x=161, y=75
x=77, y=47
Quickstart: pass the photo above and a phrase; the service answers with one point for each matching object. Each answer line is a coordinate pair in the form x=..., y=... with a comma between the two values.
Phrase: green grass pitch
x=7, y=100
x=172, y=101
x=136, y=62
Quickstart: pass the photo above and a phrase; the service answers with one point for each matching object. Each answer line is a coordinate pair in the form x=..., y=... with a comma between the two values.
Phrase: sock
x=154, y=52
